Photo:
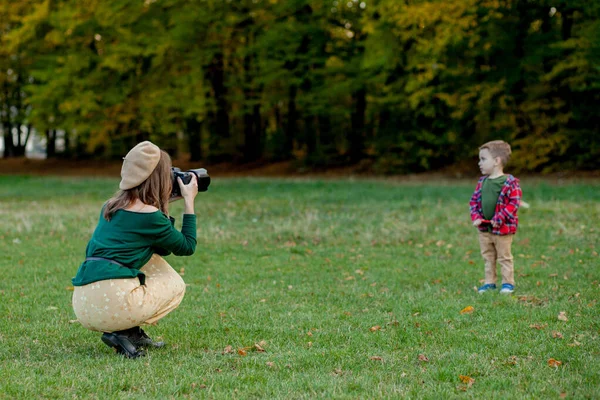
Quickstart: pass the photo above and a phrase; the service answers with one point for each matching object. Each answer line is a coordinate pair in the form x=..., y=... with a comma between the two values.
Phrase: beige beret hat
x=138, y=164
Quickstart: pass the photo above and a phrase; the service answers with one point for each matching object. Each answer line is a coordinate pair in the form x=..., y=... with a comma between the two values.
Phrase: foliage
x=397, y=86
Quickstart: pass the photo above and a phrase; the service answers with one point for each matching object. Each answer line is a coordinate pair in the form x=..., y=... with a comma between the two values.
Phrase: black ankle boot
x=143, y=340
x=139, y=338
x=122, y=344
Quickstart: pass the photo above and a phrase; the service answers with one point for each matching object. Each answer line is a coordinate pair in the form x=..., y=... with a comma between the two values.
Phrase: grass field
x=353, y=289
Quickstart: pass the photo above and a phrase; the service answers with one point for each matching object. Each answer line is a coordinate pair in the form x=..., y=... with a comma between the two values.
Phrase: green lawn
x=354, y=289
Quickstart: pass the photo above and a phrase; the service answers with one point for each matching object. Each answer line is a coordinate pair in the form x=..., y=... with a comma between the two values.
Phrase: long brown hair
x=154, y=191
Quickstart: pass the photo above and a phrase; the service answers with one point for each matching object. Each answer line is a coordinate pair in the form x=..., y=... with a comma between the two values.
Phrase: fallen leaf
x=466, y=379
x=554, y=363
x=376, y=358
x=538, y=326
x=242, y=352
x=70, y=288
x=375, y=328
x=575, y=343
x=557, y=335
x=259, y=348
x=562, y=316
x=228, y=350
x=182, y=271
x=423, y=357
x=270, y=364
x=74, y=321
x=467, y=310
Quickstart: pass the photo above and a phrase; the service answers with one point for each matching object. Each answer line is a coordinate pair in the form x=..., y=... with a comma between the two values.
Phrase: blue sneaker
x=507, y=288
x=486, y=287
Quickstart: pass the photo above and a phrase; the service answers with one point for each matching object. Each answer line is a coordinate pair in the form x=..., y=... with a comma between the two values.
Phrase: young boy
x=494, y=207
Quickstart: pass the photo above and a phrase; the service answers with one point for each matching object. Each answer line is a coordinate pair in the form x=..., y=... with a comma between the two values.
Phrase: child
x=494, y=207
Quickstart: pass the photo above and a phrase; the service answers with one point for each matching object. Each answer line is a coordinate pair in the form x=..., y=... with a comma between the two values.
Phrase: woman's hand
x=189, y=192
x=477, y=222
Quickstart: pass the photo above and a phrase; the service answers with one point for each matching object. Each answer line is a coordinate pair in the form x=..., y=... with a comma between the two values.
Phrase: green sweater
x=131, y=238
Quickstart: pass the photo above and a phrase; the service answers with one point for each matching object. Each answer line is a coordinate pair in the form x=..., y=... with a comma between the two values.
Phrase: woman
x=124, y=282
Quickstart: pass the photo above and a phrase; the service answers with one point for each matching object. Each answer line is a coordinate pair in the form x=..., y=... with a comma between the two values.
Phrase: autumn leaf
x=423, y=357
x=270, y=364
x=259, y=348
x=227, y=350
x=182, y=271
x=375, y=328
x=242, y=352
x=467, y=380
x=376, y=358
x=574, y=344
x=557, y=335
x=562, y=316
x=554, y=363
x=467, y=310
x=538, y=326
x=70, y=288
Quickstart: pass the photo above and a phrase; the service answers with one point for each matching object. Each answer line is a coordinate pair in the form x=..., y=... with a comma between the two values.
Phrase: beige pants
x=496, y=248
x=118, y=304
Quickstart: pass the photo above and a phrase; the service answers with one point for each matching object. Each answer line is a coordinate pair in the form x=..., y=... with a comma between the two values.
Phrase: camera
x=186, y=177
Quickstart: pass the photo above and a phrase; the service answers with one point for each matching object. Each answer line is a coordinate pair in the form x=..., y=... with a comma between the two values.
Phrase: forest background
x=384, y=86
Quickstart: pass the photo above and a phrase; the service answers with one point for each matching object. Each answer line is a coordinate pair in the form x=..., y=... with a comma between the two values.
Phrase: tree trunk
x=50, y=143
x=193, y=129
x=291, y=124
x=357, y=134
x=252, y=132
x=9, y=147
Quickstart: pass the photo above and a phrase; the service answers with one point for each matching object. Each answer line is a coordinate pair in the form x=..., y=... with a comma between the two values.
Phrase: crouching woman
x=124, y=282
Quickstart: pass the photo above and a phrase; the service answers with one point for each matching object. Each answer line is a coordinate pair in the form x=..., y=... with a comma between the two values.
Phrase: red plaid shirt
x=506, y=208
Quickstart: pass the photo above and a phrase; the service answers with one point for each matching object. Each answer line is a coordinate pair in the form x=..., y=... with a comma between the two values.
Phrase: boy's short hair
x=498, y=148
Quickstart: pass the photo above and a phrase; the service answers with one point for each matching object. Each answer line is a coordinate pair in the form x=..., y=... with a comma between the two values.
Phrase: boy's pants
x=497, y=248
x=118, y=304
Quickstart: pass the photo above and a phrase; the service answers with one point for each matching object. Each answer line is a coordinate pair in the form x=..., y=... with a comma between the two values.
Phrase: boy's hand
x=477, y=222
x=495, y=224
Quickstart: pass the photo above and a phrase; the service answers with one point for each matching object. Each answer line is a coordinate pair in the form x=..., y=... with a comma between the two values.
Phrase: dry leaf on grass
x=557, y=335
x=228, y=350
x=375, y=328
x=538, y=326
x=562, y=316
x=376, y=358
x=575, y=343
x=258, y=347
x=467, y=380
x=423, y=357
x=270, y=364
x=467, y=310
x=242, y=352
x=554, y=363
